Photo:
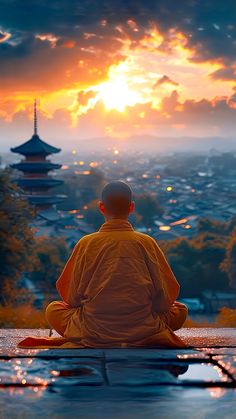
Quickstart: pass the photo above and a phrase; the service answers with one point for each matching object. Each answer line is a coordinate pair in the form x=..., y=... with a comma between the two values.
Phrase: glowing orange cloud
x=136, y=79
x=4, y=36
x=134, y=73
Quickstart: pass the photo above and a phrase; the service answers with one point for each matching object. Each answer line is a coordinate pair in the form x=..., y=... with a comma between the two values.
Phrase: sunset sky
x=117, y=69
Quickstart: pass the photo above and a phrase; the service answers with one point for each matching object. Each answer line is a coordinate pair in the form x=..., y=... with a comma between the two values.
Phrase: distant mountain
x=146, y=143
x=157, y=144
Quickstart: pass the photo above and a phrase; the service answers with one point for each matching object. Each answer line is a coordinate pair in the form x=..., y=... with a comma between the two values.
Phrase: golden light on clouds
x=52, y=39
x=117, y=92
x=4, y=36
x=137, y=85
x=141, y=77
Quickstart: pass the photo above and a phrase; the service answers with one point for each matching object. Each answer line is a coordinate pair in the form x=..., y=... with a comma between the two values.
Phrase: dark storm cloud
x=209, y=25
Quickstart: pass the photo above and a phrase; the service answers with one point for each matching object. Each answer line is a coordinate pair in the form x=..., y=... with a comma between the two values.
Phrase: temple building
x=35, y=181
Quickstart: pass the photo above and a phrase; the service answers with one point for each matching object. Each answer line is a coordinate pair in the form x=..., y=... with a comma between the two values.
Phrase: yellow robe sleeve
x=73, y=282
x=64, y=280
x=84, y=267
x=165, y=284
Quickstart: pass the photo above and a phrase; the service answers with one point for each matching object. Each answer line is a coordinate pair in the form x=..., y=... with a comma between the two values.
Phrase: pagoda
x=35, y=182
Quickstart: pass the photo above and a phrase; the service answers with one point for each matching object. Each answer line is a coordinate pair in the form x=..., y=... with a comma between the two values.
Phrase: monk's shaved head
x=117, y=197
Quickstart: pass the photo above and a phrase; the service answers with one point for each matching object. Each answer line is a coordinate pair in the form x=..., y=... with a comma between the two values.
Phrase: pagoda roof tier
x=35, y=146
x=36, y=167
x=39, y=182
x=45, y=199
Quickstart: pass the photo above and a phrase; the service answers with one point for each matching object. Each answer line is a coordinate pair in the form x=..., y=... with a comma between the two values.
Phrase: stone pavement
x=195, y=383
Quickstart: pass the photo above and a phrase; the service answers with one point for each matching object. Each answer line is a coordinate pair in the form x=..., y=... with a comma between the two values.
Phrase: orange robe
x=118, y=289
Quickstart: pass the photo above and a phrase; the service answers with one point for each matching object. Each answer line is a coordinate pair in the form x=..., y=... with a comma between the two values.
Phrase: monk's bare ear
x=132, y=207
x=101, y=207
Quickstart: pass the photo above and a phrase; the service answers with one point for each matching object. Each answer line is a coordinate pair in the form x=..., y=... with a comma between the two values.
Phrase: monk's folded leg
x=58, y=315
x=176, y=316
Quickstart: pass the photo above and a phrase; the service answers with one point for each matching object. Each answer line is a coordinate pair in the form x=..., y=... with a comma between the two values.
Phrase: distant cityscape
x=187, y=186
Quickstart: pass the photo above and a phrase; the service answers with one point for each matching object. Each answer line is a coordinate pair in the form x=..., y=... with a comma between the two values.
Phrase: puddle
x=56, y=374
x=204, y=372
x=146, y=374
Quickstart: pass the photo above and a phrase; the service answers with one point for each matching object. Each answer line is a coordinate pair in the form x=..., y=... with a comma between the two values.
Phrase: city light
x=74, y=152
x=164, y=228
x=178, y=222
x=169, y=188
x=93, y=164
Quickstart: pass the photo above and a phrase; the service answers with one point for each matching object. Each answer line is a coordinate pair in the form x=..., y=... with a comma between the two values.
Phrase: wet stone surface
x=227, y=362
x=119, y=383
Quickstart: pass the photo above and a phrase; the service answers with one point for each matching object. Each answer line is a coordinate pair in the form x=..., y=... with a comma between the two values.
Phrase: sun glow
x=152, y=83
x=117, y=92
x=141, y=78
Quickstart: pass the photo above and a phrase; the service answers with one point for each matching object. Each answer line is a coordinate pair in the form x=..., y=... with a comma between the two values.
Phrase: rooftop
x=35, y=146
x=120, y=383
x=35, y=167
x=39, y=182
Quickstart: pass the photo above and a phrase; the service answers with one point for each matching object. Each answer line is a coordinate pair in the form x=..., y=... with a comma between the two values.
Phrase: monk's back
x=120, y=282
x=118, y=295
x=117, y=287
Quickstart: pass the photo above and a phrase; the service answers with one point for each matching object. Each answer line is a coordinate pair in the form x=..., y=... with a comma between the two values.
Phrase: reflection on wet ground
x=161, y=379
x=34, y=372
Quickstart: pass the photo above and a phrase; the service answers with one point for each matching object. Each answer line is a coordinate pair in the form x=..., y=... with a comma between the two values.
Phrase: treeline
x=22, y=253
x=207, y=261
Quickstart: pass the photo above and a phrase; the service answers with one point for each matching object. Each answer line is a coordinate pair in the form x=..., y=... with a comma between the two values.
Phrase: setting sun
x=120, y=79
x=116, y=93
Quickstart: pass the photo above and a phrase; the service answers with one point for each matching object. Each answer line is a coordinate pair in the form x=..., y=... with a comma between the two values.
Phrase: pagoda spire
x=35, y=182
x=35, y=118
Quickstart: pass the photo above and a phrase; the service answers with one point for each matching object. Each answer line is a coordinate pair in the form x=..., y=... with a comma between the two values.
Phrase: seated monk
x=117, y=288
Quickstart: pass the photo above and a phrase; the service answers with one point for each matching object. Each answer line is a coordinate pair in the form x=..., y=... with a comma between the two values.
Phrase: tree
x=196, y=263
x=229, y=263
x=211, y=252
x=209, y=225
x=16, y=236
x=147, y=207
x=230, y=225
x=51, y=254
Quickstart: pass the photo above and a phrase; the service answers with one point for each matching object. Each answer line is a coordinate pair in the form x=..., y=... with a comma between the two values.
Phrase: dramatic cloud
x=118, y=67
x=225, y=74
